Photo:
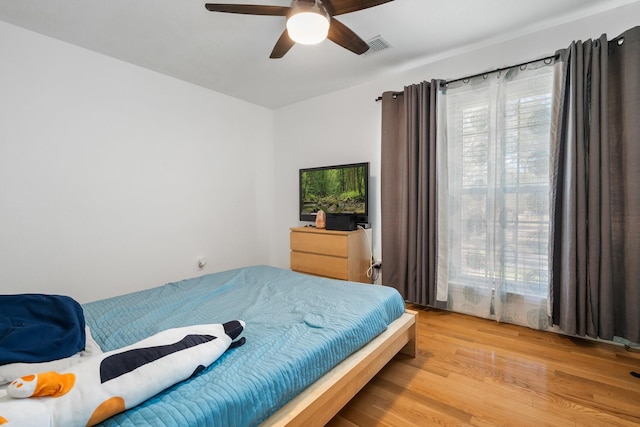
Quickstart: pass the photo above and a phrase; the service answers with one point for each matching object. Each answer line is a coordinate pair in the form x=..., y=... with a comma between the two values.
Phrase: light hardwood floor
x=477, y=372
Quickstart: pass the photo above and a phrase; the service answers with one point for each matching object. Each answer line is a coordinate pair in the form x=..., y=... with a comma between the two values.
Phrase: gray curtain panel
x=595, y=181
x=408, y=191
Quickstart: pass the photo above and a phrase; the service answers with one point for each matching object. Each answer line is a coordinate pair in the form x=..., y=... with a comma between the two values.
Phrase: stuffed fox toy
x=112, y=382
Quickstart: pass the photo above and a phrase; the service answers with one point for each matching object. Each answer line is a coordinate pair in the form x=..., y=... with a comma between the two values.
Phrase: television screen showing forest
x=334, y=190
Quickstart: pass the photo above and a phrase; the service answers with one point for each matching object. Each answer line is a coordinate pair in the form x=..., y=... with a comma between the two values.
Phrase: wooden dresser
x=330, y=253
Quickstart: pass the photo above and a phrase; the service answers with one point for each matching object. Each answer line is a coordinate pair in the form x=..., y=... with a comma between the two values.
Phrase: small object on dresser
x=321, y=219
x=341, y=222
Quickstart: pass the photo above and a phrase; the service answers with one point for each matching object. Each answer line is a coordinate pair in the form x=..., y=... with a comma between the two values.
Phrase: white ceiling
x=229, y=53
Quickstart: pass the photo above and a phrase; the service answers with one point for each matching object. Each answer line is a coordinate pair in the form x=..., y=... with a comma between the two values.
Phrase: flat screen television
x=338, y=189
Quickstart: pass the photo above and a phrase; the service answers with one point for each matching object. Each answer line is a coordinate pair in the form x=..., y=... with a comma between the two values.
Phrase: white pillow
x=11, y=371
x=112, y=382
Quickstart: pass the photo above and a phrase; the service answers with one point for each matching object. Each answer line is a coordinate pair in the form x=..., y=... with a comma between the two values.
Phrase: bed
x=311, y=344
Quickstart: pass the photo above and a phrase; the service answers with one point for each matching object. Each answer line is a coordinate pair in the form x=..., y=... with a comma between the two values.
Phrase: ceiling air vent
x=377, y=44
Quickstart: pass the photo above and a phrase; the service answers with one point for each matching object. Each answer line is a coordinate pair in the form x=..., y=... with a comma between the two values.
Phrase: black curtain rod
x=497, y=70
x=395, y=94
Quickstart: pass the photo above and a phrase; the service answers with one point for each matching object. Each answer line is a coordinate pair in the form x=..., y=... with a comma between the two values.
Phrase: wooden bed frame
x=322, y=400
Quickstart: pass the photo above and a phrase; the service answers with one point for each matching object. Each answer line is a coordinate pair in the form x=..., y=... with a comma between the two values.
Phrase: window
x=493, y=186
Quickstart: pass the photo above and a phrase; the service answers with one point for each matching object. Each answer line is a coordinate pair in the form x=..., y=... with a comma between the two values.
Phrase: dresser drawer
x=320, y=265
x=326, y=244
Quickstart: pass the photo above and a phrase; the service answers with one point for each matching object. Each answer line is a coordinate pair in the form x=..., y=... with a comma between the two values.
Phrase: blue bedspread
x=297, y=328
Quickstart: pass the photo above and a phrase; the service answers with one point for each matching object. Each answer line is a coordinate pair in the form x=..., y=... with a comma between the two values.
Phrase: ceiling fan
x=308, y=22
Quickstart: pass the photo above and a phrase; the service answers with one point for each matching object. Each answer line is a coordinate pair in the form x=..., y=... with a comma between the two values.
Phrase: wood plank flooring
x=477, y=372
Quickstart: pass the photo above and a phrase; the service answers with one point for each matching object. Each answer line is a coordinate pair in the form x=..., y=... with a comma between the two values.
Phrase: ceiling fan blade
x=340, y=7
x=248, y=9
x=282, y=46
x=342, y=35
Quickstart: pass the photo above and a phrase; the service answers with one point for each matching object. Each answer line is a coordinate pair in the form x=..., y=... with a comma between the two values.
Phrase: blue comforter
x=297, y=328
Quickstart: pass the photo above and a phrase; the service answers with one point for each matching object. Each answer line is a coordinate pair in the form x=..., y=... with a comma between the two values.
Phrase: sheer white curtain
x=493, y=194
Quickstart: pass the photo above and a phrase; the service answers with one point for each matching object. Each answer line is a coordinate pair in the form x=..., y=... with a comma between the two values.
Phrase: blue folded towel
x=40, y=328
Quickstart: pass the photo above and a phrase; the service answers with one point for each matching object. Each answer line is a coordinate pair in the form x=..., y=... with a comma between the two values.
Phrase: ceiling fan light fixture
x=308, y=22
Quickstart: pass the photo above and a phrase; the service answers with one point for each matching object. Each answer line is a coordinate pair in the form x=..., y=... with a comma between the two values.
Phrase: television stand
x=344, y=255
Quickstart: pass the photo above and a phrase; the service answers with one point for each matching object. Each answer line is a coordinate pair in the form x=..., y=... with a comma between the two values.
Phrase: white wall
x=344, y=126
x=114, y=178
